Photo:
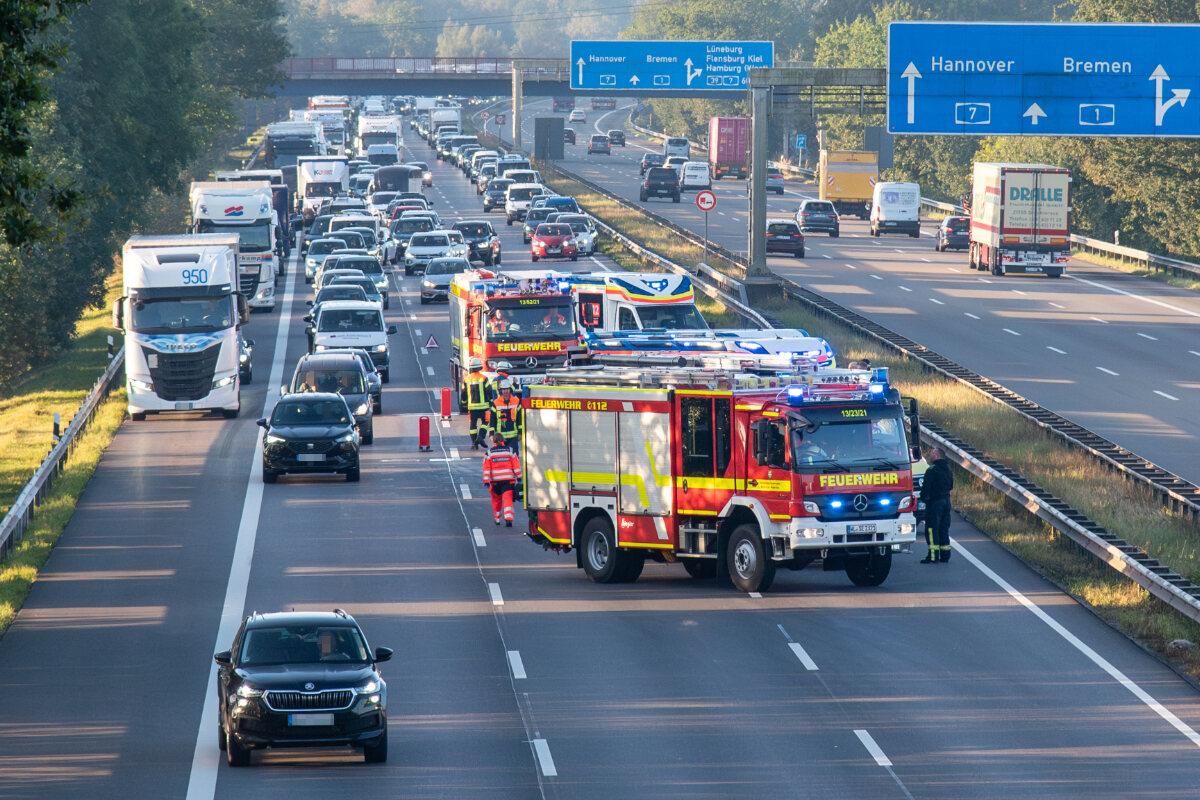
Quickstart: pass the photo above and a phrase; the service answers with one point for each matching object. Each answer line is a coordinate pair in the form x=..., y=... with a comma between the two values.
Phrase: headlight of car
x=312, y=262
x=427, y=284
x=320, y=347
x=273, y=439
x=345, y=438
x=427, y=176
x=409, y=259
x=247, y=690
x=370, y=687
x=379, y=348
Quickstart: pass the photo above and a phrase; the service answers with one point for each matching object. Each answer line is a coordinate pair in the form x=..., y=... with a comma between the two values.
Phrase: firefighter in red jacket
x=501, y=473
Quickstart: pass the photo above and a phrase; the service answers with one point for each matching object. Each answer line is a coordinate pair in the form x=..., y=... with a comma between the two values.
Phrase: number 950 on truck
x=724, y=470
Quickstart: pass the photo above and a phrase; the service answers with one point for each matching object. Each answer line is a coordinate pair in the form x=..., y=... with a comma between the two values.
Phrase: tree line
x=105, y=111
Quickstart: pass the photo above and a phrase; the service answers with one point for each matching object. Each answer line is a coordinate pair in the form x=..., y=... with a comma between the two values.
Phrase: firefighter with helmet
x=501, y=474
x=505, y=417
x=479, y=401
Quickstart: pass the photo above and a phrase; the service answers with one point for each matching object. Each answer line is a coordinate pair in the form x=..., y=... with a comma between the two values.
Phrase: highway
x=1117, y=354
x=514, y=676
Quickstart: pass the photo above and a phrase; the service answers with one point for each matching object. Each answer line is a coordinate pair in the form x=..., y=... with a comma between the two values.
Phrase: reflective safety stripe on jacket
x=501, y=464
x=477, y=392
x=506, y=416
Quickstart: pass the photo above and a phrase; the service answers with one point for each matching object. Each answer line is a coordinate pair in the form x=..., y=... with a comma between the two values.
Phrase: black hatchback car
x=310, y=432
x=493, y=195
x=568, y=136
x=819, y=216
x=954, y=232
x=301, y=679
x=481, y=237
x=342, y=373
x=785, y=236
x=616, y=137
x=651, y=160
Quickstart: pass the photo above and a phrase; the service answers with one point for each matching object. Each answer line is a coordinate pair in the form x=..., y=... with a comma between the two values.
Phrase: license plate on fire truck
x=865, y=527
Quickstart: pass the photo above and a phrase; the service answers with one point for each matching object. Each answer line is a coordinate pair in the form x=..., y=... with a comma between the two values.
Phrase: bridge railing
x=420, y=65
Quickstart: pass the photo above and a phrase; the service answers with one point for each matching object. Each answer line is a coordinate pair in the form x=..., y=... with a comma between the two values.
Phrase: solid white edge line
x=1088, y=652
x=805, y=659
x=545, y=760
x=516, y=665
x=477, y=535
x=1134, y=296
x=494, y=591
x=875, y=750
x=465, y=490
x=202, y=779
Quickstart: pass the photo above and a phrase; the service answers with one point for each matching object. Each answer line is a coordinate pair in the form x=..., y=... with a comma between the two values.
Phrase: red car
x=553, y=240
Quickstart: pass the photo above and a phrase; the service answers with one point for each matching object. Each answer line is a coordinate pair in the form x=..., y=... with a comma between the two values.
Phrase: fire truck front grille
x=182, y=376
x=861, y=505
x=535, y=364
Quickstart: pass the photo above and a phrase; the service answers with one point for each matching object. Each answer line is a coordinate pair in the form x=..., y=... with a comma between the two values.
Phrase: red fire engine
x=727, y=468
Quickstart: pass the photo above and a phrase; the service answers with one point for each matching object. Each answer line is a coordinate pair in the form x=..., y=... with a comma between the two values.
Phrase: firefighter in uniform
x=479, y=396
x=507, y=418
x=935, y=494
x=501, y=473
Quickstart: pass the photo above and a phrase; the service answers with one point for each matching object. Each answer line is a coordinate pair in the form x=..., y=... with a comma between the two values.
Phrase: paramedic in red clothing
x=501, y=474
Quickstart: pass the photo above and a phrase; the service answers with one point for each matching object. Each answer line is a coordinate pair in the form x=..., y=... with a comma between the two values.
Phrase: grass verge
x=1125, y=508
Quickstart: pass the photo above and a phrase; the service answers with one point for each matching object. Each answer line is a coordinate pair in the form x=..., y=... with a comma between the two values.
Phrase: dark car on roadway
x=616, y=137
x=435, y=285
x=310, y=432
x=660, y=182
x=774, y=182
x=818, y=216
x=301, y=679
x=493, y=195
x=568, y=135
x=481, y=237
x=954, y=232
x=599, y=144
x=535, y=217
x=785, y=236
x=651, y=160
x=344, y=374
x=403, y=230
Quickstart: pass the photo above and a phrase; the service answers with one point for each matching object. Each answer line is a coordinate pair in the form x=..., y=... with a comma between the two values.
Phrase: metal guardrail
x=16, y=521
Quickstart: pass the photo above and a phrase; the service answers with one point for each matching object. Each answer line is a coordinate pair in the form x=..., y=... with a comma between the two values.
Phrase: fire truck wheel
x=630, y=565
x=870, y=570
x=749, y=568
x=700, y=567
x=601, y=559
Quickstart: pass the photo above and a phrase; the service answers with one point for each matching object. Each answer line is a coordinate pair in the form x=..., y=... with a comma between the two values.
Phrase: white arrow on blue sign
x=667, y=65
x=1052, y=79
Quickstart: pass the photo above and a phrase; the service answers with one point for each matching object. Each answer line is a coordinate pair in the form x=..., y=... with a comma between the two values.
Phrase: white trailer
x=1020, y=218
x=180, y=310
x=319, y=177
x=385, y=129
x=245, y=208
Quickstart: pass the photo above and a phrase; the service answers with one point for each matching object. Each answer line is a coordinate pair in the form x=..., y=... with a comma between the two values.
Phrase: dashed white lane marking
x=1017, y=291
x=875, y=750
x=905, y=289
x=826, y=255
x=952, y=269
x=494, y=591
x=926, y=260
x=414, y=316
x=1010, y=330
x=429, y=370
x=516, y=665
x=424, y=352
x=805, y=659
x=1164, y=394
x=756, y=595
x=1194, y=352
x=1056, y=350
x=1097, y=319
x=851, y=266
x=1136, y=296
x=1148, y=336
x=1108, y=371
x=898, y=250
x=983, y=280
x=445, y=423
x=876, y=277
x=935, y=300
x=416, y=331
x=454, y=456
x=969, y=314
x=1089, y=653
x=477, y=535
x=465, y=491
x=1056, y=305
x=545, y=760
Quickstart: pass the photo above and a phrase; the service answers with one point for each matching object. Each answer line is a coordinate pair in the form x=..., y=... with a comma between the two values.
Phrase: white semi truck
x=180, y=311
x=317, y=178
x=245, y=208
x=386, y=129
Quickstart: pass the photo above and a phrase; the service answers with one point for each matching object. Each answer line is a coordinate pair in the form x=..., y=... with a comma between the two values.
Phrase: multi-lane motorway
x=1116, y=354
x=514, y=676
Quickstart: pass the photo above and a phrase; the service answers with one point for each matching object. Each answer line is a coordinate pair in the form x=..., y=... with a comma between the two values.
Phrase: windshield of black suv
x=311, y=412
x=368, y=264
x=857, y=445
x=350, y=320
x=342, y=291
x=551, y=321
x=782, y=227
x=181, y=315
x=475, y=230
x=676, y=316
x=366, y=284
x=303, y=644
x=341, y=381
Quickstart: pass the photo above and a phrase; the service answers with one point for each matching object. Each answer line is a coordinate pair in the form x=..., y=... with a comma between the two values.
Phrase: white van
x=677, y=146
x=695, y=175
x=896, y=208
x=353, y=323
x=517, y=198
x=384, y=155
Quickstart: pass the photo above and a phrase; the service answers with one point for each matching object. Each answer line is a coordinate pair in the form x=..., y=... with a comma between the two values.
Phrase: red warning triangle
x=432, y=343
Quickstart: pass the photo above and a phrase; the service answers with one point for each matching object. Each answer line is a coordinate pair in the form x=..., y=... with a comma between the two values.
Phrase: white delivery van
x=383, y=155
x=353, y=323
x=695, y=175
x=896, y=208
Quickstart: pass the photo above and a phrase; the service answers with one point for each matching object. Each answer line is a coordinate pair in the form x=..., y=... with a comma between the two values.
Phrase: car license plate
x=311, y=457
x=184, y=406
x=553, y=249
x=311, y=720
x=866, y=527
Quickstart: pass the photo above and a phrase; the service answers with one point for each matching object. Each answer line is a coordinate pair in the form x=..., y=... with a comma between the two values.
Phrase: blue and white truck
x=180, y=311
x=247, y=209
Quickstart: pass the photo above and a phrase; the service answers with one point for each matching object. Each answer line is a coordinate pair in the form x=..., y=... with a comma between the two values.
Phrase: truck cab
x=247, y=209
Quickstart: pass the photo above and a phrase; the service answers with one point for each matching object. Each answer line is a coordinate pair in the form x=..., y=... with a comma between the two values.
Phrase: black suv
x=301, y=679
x=818, y=215
x=493, y=195
x=660, y=182
x=344, y=374
x=651, y=160
x=616, y=137
x=481, y=237
x=310, y=432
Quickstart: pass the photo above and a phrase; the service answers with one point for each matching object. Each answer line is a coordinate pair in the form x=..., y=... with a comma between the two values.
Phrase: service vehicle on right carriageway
x=725, y=468
x=1020, y=219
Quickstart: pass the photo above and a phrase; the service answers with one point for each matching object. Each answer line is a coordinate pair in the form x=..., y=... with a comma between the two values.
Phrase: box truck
x=1020, y=218
x=847, y=179
x=728, y=147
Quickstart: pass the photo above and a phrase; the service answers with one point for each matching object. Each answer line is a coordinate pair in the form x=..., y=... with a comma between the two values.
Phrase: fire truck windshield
x=851, y=446
x=524, y=322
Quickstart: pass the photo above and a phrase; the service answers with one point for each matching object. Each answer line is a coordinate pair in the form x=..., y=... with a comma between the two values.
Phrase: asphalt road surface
x=1117, y=354
x=514, y=676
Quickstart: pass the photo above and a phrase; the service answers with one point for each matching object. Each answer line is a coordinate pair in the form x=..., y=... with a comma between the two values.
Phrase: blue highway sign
x=1064, y=79
x=801, y=141
x=667, y=65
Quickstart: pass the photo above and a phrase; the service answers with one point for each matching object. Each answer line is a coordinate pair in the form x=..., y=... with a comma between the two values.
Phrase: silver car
x=423, y=248
x=584, y=230
x=438, y=277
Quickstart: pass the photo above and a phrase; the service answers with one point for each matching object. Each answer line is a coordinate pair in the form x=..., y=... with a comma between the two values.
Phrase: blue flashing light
x=886, y=501
x=752, y=347
x=564, y=286
x=835, y=504
x=877, y=389
x=795, y=395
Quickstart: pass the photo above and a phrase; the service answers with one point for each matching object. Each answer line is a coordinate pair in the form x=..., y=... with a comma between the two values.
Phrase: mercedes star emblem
x=861, y=503
x=308, y=687
x=531, y=362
